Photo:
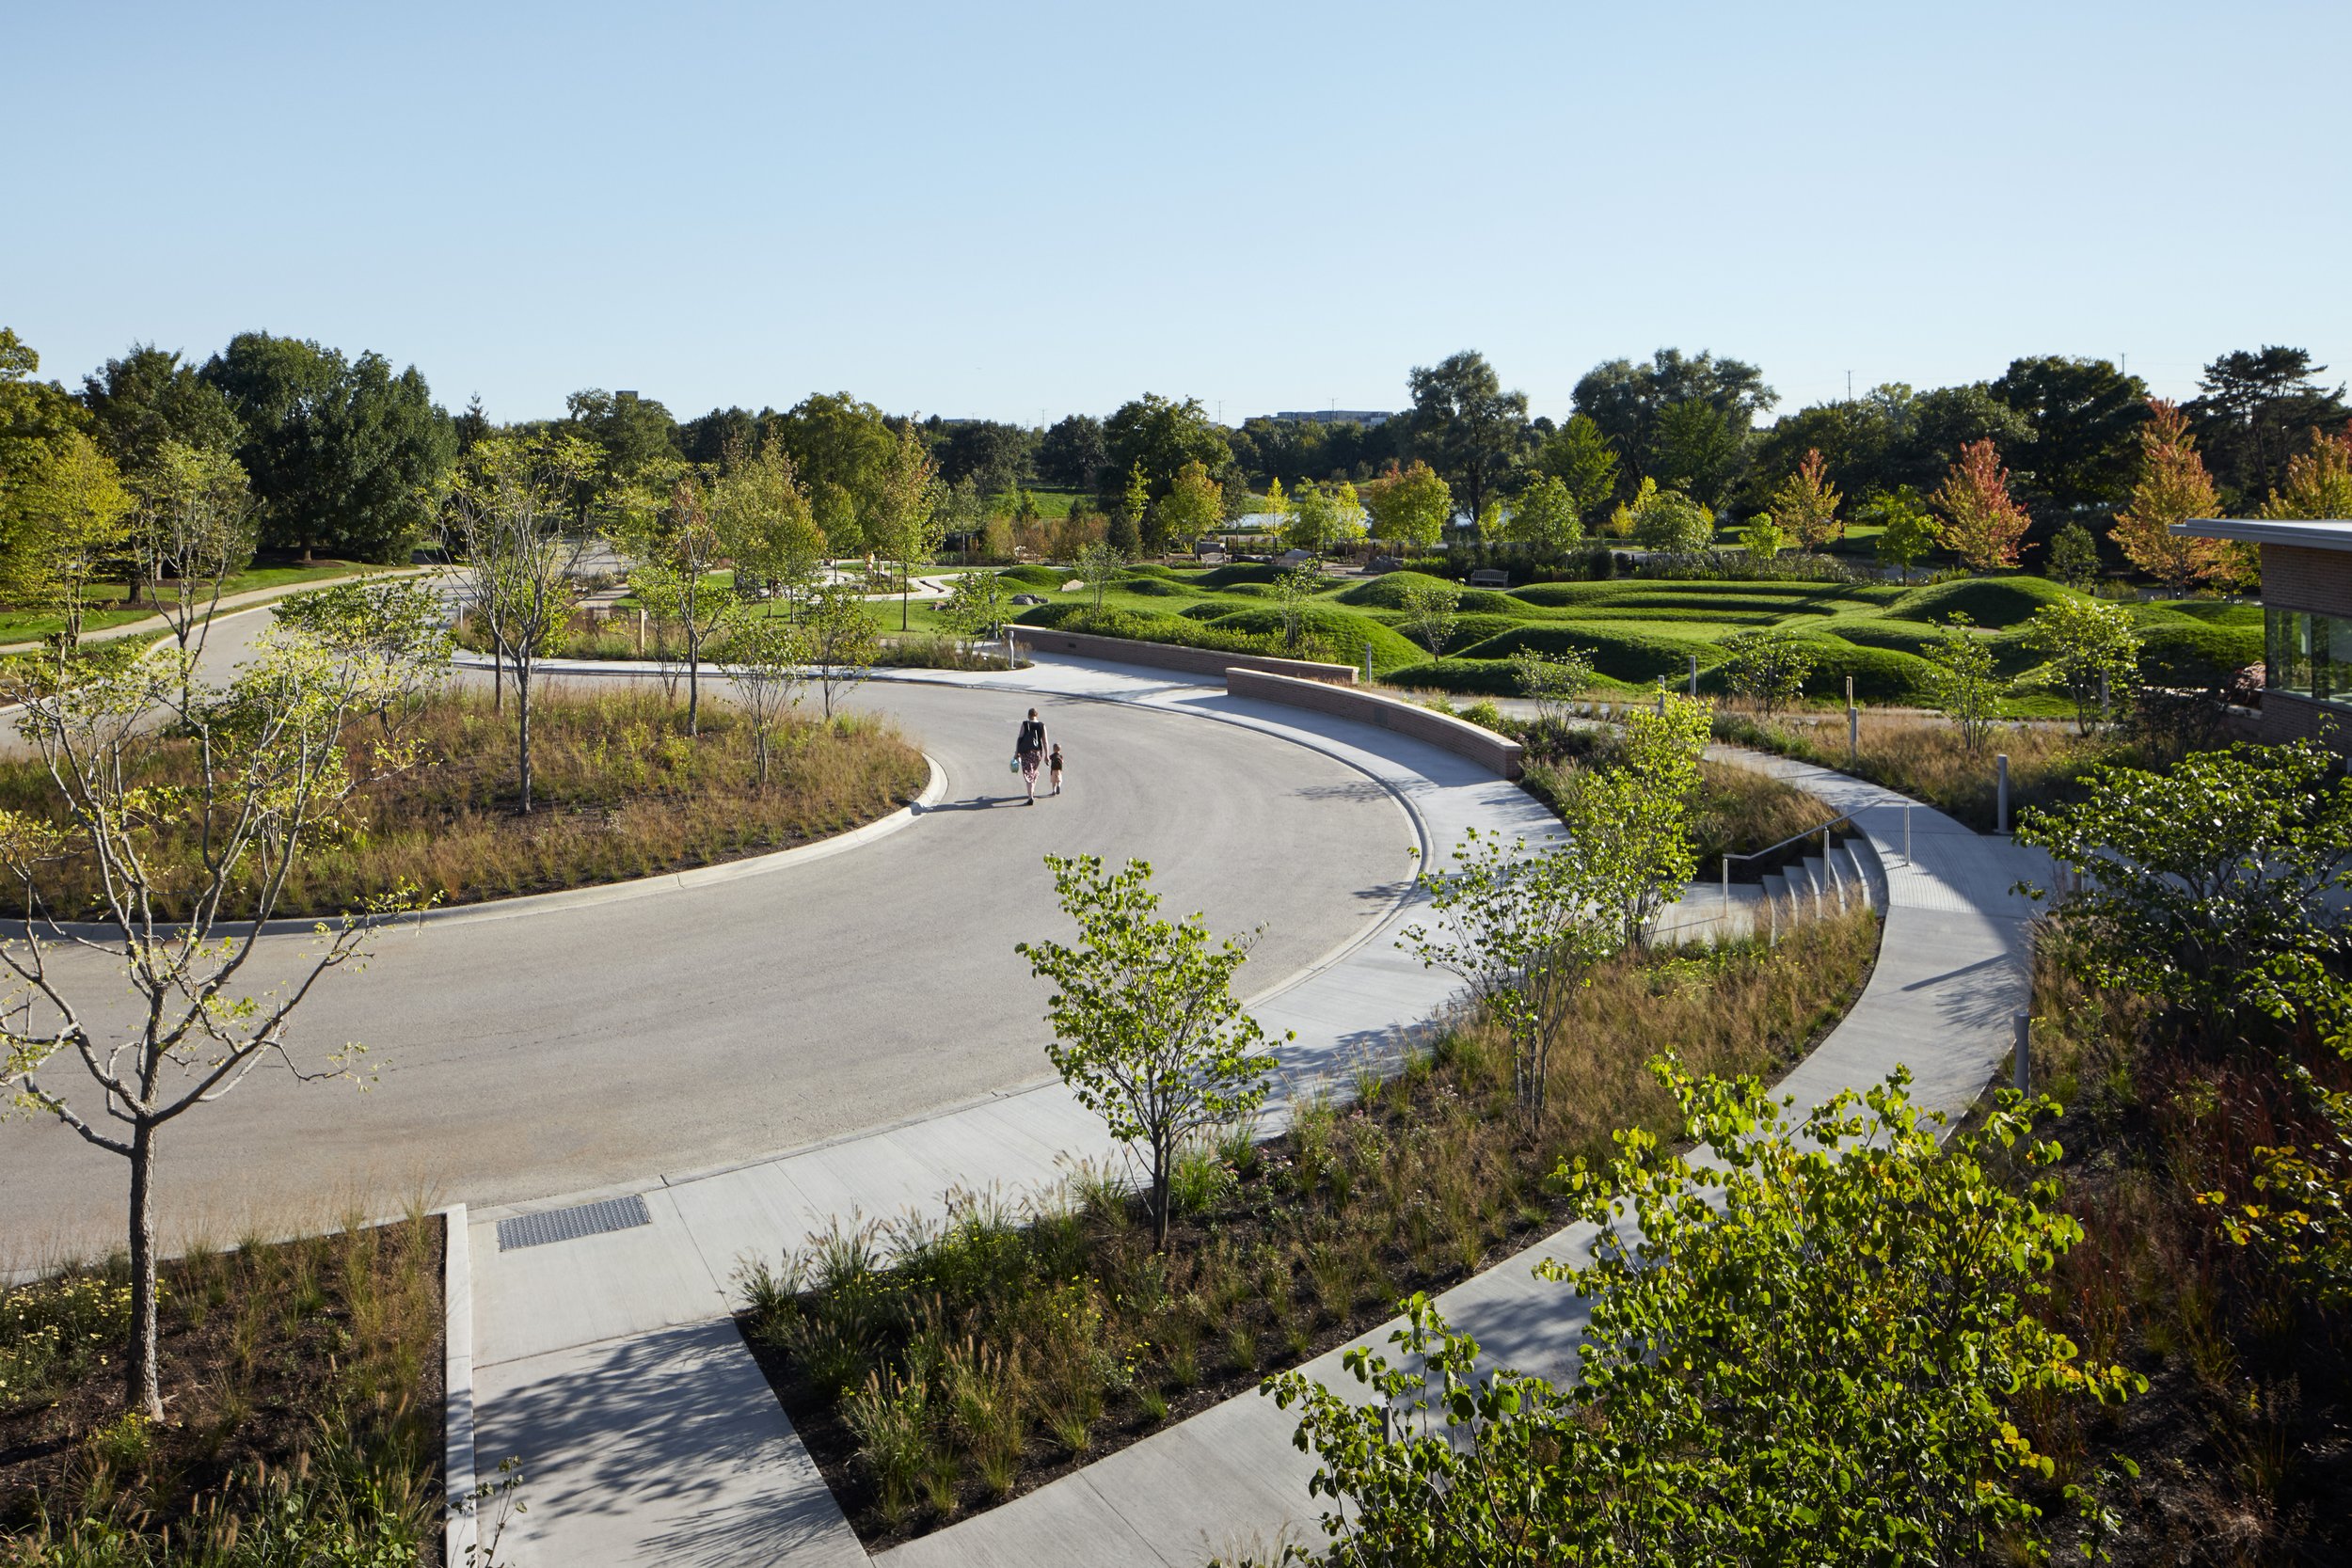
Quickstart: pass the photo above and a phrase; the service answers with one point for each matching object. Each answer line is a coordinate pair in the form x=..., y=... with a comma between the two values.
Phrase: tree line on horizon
x=344, y=456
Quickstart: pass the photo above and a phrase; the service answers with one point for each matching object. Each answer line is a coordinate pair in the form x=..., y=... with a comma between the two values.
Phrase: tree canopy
x=1468, y=428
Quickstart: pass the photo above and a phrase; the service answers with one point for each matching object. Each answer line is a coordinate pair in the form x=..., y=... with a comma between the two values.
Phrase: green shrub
x=2198, y=656
x=1986, y=601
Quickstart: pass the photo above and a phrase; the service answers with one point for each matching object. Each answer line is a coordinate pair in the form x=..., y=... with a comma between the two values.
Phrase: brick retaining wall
x=1482, y=746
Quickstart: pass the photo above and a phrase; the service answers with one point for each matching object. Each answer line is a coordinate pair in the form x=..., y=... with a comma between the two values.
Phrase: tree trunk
x=522, y=714
x=1160, y=1162
x=498, y=677
x=144, y=1388
x=693, y=685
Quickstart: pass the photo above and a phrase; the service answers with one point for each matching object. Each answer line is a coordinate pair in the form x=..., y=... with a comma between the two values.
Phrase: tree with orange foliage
x=2173, y=487
x=1976, y=519
x=2319, y=480
x=1805, y=505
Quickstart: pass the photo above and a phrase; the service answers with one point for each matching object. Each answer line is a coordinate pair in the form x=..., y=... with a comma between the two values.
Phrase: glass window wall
x=2308, y=654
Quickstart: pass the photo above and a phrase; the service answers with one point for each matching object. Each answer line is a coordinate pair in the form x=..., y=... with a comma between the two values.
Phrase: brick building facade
x=2306, y=623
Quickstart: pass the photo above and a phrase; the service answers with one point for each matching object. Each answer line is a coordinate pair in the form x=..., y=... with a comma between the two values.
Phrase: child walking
x=1053, y=768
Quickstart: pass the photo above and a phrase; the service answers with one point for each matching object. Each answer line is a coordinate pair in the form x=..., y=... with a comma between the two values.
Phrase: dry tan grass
x=621, y=791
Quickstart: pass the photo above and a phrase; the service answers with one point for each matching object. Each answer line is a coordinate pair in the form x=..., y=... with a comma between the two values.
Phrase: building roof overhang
x=2326, y=533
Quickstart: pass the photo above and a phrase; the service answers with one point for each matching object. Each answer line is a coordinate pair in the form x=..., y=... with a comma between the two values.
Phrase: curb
x=582, y=897
x=460, y=1530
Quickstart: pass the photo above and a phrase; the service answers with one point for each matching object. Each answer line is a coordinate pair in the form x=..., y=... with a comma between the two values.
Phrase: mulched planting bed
x=936, y=1371
x=302, y=1386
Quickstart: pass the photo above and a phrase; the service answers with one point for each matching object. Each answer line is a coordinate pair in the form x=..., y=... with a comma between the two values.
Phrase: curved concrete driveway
x=559, y=1051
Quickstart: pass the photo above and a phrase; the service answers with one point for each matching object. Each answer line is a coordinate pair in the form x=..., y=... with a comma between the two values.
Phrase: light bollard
x=1367, y=661
x=1695, y=675
x=2023, y=1024
x=1906, y=833
x=2000, y=779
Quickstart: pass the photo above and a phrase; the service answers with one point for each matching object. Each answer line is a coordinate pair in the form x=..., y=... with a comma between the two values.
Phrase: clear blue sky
x=1023, y=210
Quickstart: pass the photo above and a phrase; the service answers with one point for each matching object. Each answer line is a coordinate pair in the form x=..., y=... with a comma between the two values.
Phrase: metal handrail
x=1759, y=854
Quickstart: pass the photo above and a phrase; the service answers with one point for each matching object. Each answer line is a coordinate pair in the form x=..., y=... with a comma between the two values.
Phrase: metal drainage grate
x=564, y=1225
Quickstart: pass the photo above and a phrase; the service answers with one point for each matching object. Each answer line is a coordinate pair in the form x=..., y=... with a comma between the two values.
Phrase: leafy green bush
x=1986, y=601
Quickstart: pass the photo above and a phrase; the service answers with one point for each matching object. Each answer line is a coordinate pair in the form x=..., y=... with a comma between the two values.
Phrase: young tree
x=1098, y=563
x=1806, y=503
x=764, y=521
x=1806, y=1343
x=1294, y=591
x=1979, y=523
x=681, y=551
x=1146, y=1031
x=1322, y=516
x=1194, y=505
x=69, y=518
x=272, y=780
x=1126, y=526
x=2172, y=488
x=2074, y=557
x=1964, y=684
x=194, y=524
x=386, y=629
x=1762, y=538
x=1411, y=507
x=767, y=658
x=1553, y=682
x=842, y=641
x=1768, y=668
x=1670, y=520
x=2319, y=480
x=1631, y=821
x=506, y=520
x=903, y=523
x=2089, y=649
x=1517, y=924
x=1909, y=531
x=1429, y=609
x=976, y=605
x=2205, y=886
x=1546, y=517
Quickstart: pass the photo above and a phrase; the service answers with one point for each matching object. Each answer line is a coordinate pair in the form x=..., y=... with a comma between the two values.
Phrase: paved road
x=553, y=1053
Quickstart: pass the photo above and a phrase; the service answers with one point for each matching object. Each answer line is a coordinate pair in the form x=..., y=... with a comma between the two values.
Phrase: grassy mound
x=1388, y=593
x=1620, y=650
x=1041, y=579
x=1341, y=634
x=1158, y=587
x=2195, y=656
x=1555, y=596
x=1880, y=674
x=1238, y=571
x=2213, y=611
x=1987, y=601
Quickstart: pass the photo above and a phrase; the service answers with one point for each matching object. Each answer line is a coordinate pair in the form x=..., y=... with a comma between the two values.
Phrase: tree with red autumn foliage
x=1976, y=519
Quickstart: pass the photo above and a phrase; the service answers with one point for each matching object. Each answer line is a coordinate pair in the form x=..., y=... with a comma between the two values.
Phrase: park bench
x=1488, y=577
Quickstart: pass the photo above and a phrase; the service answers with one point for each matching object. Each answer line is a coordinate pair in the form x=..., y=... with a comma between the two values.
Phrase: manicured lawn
x=25, y=625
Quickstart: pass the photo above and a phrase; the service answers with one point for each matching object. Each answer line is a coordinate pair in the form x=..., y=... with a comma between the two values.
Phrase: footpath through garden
x=608, y=1363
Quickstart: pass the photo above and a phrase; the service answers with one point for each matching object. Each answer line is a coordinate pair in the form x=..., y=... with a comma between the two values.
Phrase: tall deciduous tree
x=1466, y=426
x=840, y=448
x=2173, y=487
x=1411, y=507
x=67, y=519
x=1146, y=1031
x=764, y=521
x=1155, y=436
x=2083, y=418
x=272, y=780
x=1805, y=505
x=2318, y=480
x=1194, y=505
x=1324, y=515
x=344, y=455
x=903, y=523
x=1072, y=453
x=1628, y=402
x=1977, y=520
x=1579, y=456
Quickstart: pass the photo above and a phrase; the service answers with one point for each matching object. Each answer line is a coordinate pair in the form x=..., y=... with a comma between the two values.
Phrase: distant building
x=1368, y=418
x=2306, y=623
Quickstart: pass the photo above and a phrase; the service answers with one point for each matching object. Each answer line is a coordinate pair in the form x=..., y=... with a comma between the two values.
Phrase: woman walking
x=1028, y=749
